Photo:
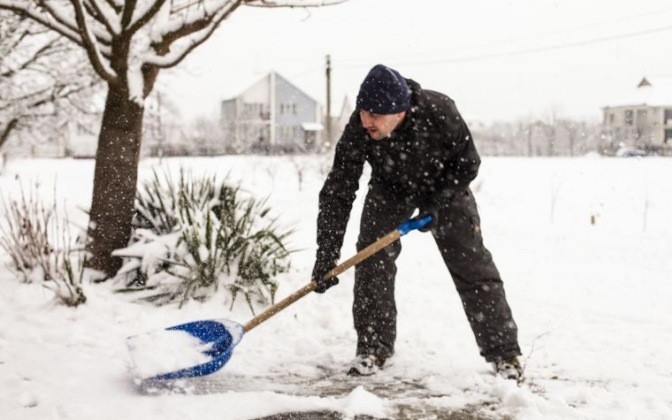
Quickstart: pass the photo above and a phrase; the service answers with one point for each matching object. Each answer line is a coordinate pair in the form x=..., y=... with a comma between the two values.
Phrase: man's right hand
x=432, y=207
x=428, y=211
x=323, y=265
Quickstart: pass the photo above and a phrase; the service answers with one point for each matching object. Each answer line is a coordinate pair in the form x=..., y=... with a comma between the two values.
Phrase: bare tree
x=551, y=126
x=205, y=136
x=128, y=42
x=42, y=78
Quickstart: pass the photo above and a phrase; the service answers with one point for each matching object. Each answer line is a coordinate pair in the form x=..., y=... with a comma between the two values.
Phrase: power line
x=570, y=30
x=528, y=50
x=587, y=26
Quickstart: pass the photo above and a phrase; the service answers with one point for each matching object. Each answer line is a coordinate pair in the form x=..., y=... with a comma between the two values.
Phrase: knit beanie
x=384, y=91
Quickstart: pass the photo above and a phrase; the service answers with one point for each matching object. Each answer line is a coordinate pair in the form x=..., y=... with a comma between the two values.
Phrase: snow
x=582, y=245
x=362, y=402
x=163, y=351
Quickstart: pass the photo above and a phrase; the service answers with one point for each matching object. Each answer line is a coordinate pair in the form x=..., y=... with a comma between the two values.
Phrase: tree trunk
x=4, y=134
x=115, y=179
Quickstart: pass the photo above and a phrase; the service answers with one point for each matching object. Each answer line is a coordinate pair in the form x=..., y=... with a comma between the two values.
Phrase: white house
x=272, y=116
x=642, y=119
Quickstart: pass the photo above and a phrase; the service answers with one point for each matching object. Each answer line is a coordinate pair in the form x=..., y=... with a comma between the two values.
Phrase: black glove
x=428, y=210
x=443, y=200
x=323, y=264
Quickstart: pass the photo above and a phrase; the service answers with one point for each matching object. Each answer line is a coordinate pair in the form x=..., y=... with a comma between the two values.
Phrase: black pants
x=458, y=236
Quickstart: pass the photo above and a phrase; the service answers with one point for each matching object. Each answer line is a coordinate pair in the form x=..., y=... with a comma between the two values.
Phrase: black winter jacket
x=429, y=152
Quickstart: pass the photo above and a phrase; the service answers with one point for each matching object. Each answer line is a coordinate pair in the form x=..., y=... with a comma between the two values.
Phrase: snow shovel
x=200, y=348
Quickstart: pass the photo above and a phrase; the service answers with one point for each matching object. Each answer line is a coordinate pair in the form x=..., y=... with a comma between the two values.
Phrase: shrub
x=193, y=236
x=38, y=242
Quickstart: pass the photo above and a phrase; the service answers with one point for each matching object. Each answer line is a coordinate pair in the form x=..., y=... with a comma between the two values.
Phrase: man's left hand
x=324, y=264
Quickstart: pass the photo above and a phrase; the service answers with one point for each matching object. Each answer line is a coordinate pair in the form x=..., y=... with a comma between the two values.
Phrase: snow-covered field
x=592, y=302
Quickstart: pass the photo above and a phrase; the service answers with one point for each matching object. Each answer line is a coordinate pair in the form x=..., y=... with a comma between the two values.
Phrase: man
x=422, y=157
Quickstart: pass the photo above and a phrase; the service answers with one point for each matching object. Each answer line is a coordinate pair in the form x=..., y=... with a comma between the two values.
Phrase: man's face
x=380, y=126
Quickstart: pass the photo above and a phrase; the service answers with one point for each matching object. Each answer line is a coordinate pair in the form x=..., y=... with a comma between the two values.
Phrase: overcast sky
x=498, y=59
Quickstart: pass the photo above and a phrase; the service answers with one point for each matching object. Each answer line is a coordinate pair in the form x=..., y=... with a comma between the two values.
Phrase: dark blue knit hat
x=384, y=91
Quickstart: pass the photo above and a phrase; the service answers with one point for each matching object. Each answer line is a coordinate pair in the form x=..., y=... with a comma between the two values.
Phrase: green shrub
x=193, y=236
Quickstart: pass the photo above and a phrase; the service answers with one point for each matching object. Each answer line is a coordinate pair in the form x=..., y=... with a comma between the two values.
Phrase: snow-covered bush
x=38, y=241
x=193, y=236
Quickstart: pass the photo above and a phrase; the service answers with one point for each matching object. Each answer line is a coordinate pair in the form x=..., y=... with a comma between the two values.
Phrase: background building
x=272, y=116
x=642, y=121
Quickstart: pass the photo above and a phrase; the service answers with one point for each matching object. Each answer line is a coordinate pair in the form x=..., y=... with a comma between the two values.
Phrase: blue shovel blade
x=216, y=338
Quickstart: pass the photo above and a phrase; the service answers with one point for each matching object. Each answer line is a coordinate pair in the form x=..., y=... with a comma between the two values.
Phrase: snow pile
x=362, y=402
x=164, y=351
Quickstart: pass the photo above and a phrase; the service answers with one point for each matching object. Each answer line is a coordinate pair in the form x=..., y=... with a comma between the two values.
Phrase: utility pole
x=273, y=116
x=328, y=118
x=159, y=124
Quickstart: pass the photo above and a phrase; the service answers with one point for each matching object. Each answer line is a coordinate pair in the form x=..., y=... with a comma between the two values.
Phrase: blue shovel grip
x=414, y=223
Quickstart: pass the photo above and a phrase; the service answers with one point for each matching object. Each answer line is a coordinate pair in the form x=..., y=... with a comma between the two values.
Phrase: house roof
x=651, y=92
x=241, y=88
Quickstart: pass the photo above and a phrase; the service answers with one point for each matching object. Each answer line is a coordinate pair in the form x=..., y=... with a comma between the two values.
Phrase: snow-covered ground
x=592, y=302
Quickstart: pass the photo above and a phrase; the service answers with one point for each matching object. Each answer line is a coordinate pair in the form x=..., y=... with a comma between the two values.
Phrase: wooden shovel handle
x=354, y=260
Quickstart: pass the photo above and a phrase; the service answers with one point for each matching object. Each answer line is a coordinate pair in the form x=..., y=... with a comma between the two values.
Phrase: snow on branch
x=129, y=37
x=144, y=16
x=102, y=13
x=189, y=23
x=90, y=45
x=55, y=22
x=56, y=17
x=60, y=16
x=292, y=3
x=188, y=33
x=65, y=17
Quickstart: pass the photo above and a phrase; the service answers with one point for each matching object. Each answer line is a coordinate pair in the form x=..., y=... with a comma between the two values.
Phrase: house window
x=668, y=117
x=668, y=136
x=628, y=117
x=287, y=109
x=264, y=112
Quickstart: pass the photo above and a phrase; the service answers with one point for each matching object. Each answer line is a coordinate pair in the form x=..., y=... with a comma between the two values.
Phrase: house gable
x=642, y=118
x=272, y=115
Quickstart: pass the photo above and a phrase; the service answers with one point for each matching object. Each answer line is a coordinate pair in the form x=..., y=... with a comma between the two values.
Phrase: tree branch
x=103, y=70
x=96, y=12
x=199, y=31
x=292, y=3
x=38, y=94
x=18, y=35
x=4, y=135
x=127, y=14
x=57, y=16
x=146, y=17
x=44, y=50
x=43, y=18
x=114, y=6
